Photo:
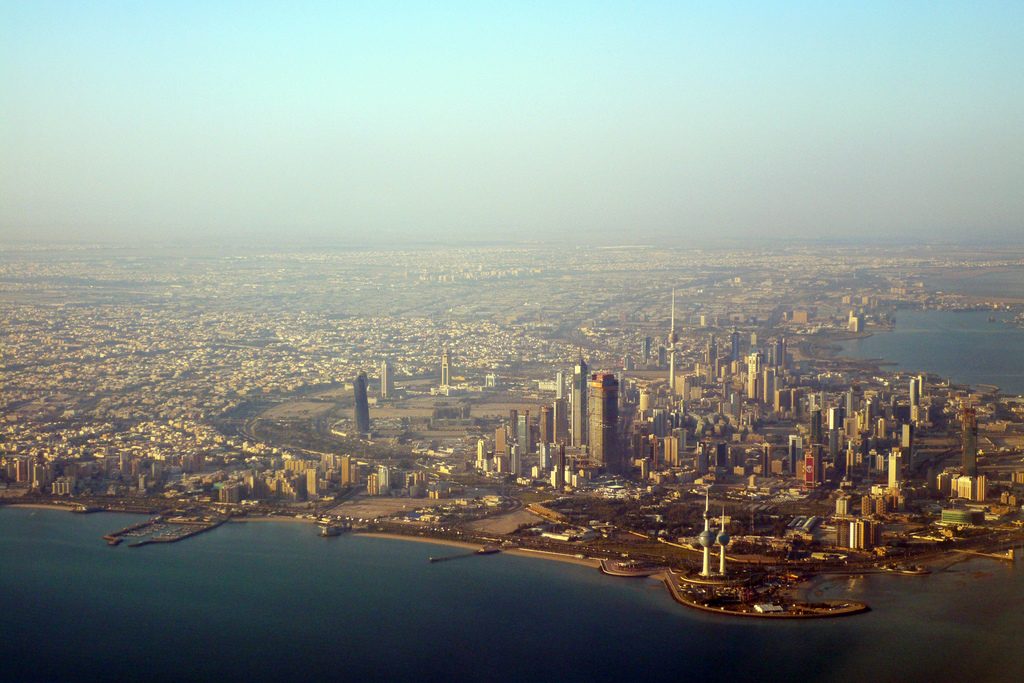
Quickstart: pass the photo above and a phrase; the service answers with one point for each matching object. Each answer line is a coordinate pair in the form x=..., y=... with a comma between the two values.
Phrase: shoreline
x=69, y=507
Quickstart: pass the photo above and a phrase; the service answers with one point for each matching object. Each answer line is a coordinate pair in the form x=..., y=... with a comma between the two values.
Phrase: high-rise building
x=561, y=421
x=795, y=453
x=734, y=345
x=753, y=375
x=362, y=407
x=349, y=473
x=446, y=363
x=817, y=429
x=559, y=384
x=895, y=469
x=559, y=479
x=603, y=440
x=579, y=404
x=547, y=425
x=387, y=381
x=672, y=339
x=515, y=460
x=969, y=436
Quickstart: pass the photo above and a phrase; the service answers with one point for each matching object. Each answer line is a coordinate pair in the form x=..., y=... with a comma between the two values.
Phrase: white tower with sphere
x=707, y=537
x=723, y=540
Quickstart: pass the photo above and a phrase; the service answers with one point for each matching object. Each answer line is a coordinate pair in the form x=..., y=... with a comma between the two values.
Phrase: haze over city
x=341, y=123
x=461, y=341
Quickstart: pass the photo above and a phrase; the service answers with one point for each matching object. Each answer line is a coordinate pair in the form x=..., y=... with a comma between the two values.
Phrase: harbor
x=162, y=529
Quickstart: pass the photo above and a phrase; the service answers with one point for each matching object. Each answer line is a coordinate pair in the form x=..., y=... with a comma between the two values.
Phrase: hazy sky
x=612, y=122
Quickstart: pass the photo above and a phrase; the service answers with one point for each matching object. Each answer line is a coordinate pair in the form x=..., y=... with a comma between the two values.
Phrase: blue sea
x=274, y=602
x=963, y=346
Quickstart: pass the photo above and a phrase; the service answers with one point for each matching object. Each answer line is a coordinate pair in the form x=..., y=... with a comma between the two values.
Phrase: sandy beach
x=42, y=506
x=273, y=518
x=520, y=552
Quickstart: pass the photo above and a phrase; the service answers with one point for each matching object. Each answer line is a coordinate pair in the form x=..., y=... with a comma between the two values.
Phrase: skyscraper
x=445, y=368
x=547, y=425
x=672, y=339
x=579, y=403
x=604, y=421
x=387, y=381
x=753, y=375
x=559, y=479
x=734, y=345
x=795, y=453
x=561, y=421
x=362, y=408
x=969, y=434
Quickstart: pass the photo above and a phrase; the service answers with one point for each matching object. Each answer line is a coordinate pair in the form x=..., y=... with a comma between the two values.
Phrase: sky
x=593, y=122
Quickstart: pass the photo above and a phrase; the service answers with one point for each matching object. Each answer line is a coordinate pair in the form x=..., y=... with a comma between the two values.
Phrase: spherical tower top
x=706, y=538
x=723, y=538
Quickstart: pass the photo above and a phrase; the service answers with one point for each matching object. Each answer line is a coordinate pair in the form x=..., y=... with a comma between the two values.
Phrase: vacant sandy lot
x=369, y=507
x=505, y=524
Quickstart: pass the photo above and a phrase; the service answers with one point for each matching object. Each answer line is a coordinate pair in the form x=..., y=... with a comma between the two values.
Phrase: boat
x=328, y=530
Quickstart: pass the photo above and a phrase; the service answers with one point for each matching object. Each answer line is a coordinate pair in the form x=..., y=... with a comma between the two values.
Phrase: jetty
x=486, y=550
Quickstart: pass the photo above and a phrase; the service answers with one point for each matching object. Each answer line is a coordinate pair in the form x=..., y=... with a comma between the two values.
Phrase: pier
x=486, y=550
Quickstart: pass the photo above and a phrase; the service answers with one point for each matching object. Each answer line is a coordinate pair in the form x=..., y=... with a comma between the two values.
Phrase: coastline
x=273, y=518
x=69, y=507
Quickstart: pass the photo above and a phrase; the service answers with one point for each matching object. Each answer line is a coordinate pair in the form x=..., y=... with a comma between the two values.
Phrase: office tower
x=795, y=453
x=500, y=447
x=348, y=471
x=766, y=459
x=544, y=457
x=645, y=400
x=916, y=386
x=560, y=384
x=384, y=477
x=547, y=425
x=523, y=432
x=711, y=351
x=780, y=352
x=481, y=453
x=895, y=469
x=559, y=481
x=362, y=408
x=646, y=349
x=817, y=430
x=907, y=437
x=835, y=417
x=670, y=445
x=446, y=363
x=753, y=372
x=851, y=459
x=969, y=436
x=372, y=485
x=768, y=385
x=672, y=338
x=812, y=466
x=387, y=381
x=561, y=421
x=578, y=396
x=515, y=460
x=734, y=345
x=604, y=421
x=850, y=403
